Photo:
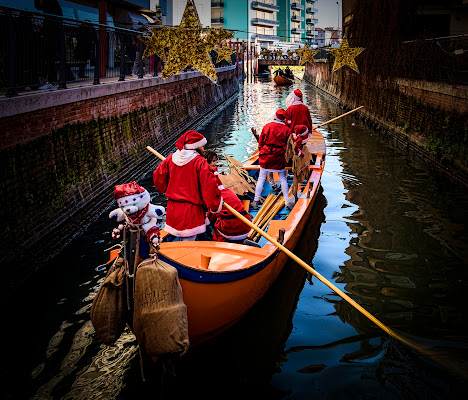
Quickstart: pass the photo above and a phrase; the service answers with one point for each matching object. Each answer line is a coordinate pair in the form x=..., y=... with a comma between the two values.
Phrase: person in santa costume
x=272, y=147
x=300, y=136
x=226, y=226
x=297, y=113
x=190, y=186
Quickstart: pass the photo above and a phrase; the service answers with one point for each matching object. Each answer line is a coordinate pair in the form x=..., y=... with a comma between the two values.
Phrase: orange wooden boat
x=280, y=80
x=220, y=292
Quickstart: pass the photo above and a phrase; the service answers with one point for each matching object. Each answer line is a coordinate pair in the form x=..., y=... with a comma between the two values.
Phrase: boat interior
x=272, y=217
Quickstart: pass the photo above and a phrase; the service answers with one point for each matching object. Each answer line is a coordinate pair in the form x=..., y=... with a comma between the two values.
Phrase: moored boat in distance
x=222, y=281
x=281, y=80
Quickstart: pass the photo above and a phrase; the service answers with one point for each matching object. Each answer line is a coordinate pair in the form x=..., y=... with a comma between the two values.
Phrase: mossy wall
x=58, y=166
x=428, y=118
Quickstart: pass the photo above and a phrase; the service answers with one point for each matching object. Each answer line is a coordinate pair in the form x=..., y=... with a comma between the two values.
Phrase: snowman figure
x=135, y=207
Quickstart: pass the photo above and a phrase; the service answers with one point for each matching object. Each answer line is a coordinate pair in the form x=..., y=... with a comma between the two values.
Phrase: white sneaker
x=47, y=86
x=290, y=202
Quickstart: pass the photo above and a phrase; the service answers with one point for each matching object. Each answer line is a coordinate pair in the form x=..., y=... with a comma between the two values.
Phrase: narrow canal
x=386, y=229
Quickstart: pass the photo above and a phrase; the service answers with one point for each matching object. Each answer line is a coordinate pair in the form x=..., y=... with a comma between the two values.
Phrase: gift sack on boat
x=108, y=308
x=160, y=314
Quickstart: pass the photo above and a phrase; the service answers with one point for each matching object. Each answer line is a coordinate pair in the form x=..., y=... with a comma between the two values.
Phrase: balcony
x=259, y=6
x=268, y=38
x=310, y=33
x=310, y=1
x=297, y=6
x=297, y=18
x=217, y=20
x=311, y=21
x=217, y=4
x=264, y=22
x=311, y=10
x=297, y=31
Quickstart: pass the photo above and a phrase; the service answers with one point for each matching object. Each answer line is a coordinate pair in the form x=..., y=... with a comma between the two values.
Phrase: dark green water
x=387, y=229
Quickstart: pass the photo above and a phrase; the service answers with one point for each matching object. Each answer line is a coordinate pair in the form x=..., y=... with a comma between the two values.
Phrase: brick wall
x=426, y=118
x=61, y=154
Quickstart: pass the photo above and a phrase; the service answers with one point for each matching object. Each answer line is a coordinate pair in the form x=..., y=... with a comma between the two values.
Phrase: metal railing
x=40, y=51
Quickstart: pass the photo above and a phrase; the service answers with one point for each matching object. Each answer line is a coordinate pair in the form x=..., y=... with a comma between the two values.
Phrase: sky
x=327, y=14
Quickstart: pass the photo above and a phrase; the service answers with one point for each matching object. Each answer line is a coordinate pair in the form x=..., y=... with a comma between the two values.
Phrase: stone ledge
x=10, y=106
x=460, y=92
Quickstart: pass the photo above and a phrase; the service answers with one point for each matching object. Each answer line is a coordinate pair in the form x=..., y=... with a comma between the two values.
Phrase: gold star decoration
x=224, y=53
x=290, y=53
x=266, y=53
x=307, y=55
x=188, y=44
x=345, y=56
x=279, y=53
x=299, y=51
x=157, y=43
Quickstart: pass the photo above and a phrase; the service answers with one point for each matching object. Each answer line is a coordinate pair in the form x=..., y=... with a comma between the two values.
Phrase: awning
x=132, y=20
x=69, y=10
x=82, y=13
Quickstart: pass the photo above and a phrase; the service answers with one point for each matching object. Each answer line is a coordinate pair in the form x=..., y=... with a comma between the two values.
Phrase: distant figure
x=190, y=186
x=279, y=72
x=288, y=73
x=84, y=47
x=227, y=227
x=51, y=31
x=297, y=113
x=140, y=49
x=272, y=148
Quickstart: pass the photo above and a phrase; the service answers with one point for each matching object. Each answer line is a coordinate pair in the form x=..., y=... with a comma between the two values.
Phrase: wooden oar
x=307, y=267
x=343, y=295
x=334, y=119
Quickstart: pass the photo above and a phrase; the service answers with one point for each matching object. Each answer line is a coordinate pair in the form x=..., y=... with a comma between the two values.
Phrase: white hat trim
x=121, y=200
x=196, y=145
x=235, y=237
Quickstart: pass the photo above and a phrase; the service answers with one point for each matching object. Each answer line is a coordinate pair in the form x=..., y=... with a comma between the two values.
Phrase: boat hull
x=279, y=80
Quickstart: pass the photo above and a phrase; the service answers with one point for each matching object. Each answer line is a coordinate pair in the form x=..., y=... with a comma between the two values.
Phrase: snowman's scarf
x=136, y=217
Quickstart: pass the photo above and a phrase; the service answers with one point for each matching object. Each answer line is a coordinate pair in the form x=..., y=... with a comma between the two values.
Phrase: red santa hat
x=191, y=140
x=129, y=193
x=280, y=114
x=298, y=93
x=301, y=130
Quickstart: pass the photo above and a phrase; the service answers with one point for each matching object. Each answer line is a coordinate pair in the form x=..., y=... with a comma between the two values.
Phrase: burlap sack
x=108, y=308
x=160, y=315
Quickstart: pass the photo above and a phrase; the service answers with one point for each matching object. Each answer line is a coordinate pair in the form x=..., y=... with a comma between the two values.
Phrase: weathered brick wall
x=427, y=118
x=57, y=160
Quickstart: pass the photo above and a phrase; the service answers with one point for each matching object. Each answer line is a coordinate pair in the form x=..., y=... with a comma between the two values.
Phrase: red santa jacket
x=272, y=145
x=190, y=188
x=227, y=227
x=299, y=114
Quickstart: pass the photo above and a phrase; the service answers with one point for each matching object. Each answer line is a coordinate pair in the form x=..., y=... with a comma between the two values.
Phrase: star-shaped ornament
x=224, y=53
x=266, y=53
x=157, y=43
x=307, y=55
x=188, y=45
x=279, y=53
x=345, y=55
